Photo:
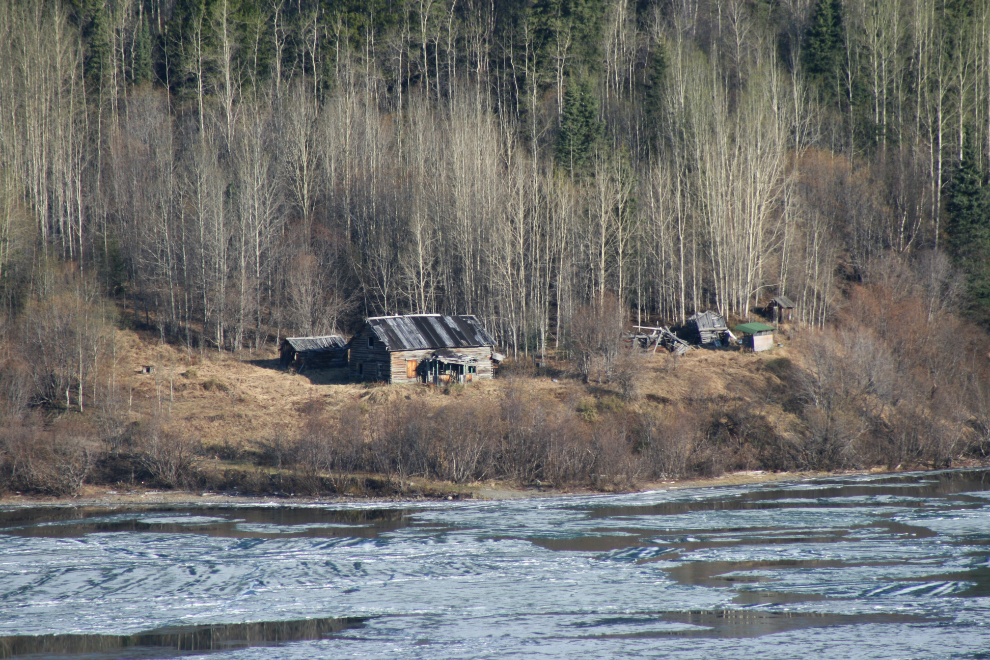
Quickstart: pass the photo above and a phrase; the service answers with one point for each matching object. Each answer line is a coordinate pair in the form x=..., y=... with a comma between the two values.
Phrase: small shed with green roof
x=756, y=336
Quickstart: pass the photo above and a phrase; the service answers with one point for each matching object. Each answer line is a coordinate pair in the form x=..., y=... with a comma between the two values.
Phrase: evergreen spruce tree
x=580, y=128
x=968, y=228
x=97, y=64
x=142, y=57
x=822, y=56
x=654, y=88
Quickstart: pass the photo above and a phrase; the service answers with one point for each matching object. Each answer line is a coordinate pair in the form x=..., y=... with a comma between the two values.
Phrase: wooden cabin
x=755, y=336
x=327, y=352
x=422, y=348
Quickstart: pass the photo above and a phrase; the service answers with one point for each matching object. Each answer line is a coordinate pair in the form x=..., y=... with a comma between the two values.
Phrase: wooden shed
x=778, y=306
x=424, y=348
x=756, y=336
x=329, y=351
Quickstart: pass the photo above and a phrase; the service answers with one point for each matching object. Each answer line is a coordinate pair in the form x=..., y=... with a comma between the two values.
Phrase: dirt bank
x=90, y=495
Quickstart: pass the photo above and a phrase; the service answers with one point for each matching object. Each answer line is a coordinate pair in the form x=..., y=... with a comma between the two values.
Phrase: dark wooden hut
x=425, y=348
x=755, y=336
x=778, y=306
x=329, y=351
x=706, y=328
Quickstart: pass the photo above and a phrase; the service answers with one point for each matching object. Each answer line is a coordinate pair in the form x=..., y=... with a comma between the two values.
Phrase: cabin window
x=371, y=341
x=472, y=370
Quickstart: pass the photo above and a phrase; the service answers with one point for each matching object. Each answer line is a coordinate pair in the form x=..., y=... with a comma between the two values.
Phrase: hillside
x=224, y=400
x=210, y=420
x=214, y=175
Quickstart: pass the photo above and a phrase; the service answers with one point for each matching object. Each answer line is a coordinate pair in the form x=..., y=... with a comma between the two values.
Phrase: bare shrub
x=915, y=438
x=627, y=376
x=519, y=451
x=388, y=448
x=111, y=423
x=596, y=338
x=463, y=436
x=16, y=388
x=276, y=450
x=569, y=455
x=828, y=443
x=168, y=456
x=33, y=459
x=847, y=383
x=666, y=441
x=614, y=466
x=315, y=451
x=67, y=331
x=349, y=435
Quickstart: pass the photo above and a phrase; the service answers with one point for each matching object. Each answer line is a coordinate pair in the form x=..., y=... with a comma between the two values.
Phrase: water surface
x=852, y=567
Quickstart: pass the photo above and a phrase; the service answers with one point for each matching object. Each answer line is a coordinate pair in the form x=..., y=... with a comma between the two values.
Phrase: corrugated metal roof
x=419, y=331
x=753, y=328
x=327, y=342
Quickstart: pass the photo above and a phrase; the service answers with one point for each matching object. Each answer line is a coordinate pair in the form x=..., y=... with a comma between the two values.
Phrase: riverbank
x=90, y=495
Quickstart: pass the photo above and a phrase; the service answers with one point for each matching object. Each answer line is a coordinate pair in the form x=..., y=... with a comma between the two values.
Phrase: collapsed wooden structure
x=427, y=348
x=660, y=336
x=706, y=328
x=324, y=352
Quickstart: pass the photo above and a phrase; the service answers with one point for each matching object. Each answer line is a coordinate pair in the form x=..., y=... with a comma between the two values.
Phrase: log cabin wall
x=369, y=362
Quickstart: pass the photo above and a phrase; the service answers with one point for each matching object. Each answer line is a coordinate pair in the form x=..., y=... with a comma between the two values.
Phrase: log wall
x=368, y=362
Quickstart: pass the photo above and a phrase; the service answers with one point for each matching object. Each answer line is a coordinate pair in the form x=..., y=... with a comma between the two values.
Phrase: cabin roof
x=453, y=357
x=783, y=302
x=419, y=331
x=708, y=321
x=324, y=343
x=753, y=328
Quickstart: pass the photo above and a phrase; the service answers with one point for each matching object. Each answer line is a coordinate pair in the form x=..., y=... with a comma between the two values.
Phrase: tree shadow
x=332, y=376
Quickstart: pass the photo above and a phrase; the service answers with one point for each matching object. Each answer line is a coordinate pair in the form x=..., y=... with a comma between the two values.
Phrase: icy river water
x=848, y=567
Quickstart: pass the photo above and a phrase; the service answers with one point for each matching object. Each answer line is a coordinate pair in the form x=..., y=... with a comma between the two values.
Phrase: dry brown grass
x=248, y=397
x=257, y=428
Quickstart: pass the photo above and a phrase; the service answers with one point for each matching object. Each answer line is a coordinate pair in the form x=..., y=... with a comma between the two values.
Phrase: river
x=884, y=566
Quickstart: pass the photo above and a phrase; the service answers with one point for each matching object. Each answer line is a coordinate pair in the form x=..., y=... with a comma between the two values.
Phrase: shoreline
x=105, y=496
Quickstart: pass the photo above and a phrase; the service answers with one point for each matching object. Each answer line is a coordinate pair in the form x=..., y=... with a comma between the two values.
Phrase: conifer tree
x=822, y=56
x=654, y=88
x=580, y=127
x=141, y=57
x=968, y=227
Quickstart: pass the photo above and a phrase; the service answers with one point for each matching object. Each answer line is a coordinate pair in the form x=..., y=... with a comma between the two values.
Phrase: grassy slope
x=229, y=402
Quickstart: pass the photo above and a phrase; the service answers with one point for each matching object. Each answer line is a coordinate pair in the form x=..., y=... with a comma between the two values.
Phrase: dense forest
x=226, y=172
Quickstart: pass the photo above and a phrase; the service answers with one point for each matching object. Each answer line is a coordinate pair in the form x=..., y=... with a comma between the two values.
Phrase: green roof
x=753, y=328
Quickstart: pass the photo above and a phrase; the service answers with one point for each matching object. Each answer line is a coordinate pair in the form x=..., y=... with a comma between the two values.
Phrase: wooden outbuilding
x=422, y=348
x=778, y=306
x=756, y=336
x=327, y=352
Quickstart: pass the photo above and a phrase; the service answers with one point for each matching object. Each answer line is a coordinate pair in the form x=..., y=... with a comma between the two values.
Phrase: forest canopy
x=232, y=170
